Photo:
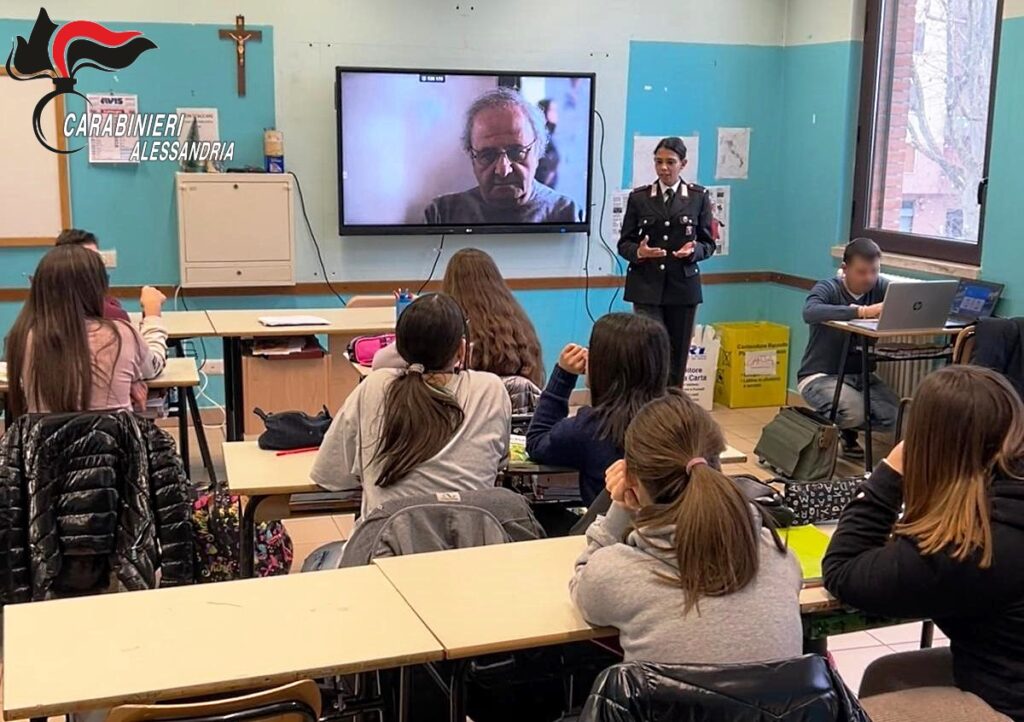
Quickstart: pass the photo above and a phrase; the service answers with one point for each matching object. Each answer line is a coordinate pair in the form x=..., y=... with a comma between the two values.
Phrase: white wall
x=313, y=36
x=825, y=21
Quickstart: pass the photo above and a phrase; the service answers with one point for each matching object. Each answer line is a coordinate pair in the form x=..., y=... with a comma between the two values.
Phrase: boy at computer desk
x=856, y=292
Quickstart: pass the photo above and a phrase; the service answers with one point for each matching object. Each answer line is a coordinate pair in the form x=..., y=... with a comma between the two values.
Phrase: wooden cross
x=241, y=36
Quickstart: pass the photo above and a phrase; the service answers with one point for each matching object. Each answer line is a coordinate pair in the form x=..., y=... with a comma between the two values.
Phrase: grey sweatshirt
x=618, y=584
x=830, y=301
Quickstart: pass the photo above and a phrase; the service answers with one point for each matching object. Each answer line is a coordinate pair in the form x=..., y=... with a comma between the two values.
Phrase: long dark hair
x=627, y=367
x=715, y=541
x=504, y=340
x=67, y=291
x=420, y=417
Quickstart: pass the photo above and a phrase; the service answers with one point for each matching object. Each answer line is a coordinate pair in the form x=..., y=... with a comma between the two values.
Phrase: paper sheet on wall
x=733, y=153
x=205, y=118
x=643, y=158
x=619, y=199
x=110, y=149
x=721, y=198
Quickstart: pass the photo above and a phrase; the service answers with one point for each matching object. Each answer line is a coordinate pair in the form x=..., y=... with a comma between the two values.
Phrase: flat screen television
x=456, y=151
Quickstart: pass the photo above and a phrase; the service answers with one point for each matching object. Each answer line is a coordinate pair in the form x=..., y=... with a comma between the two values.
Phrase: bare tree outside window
x=927, y=92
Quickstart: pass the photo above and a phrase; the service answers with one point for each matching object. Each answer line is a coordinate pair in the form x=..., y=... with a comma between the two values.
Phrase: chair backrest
x=295, y=702
x=963, y=349
x=370, y=302
x=437, y=522
x=803, y=688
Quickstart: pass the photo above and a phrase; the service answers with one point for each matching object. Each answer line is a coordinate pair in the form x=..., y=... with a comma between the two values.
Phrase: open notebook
x=808, y=544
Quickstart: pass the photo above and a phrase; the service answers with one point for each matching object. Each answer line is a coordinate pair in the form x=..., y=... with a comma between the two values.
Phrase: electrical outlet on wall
x=214, y=367
x=109, y=256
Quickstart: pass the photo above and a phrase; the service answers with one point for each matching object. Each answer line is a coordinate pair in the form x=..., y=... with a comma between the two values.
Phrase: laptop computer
x=913, y=305
x=973, y=300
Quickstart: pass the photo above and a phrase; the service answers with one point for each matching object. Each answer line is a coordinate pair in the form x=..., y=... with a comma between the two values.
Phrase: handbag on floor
x=216, y=518
x=799, y=444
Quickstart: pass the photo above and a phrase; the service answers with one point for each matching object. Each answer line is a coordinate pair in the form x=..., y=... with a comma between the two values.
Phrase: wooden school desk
x=269, y=481
x=505, y=598
x=183, y=325
x=74, y=655
x=867, y=336
x=343, y=325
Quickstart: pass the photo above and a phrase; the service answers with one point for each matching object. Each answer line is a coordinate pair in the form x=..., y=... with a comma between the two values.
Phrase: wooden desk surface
x=879, y=335
x=183, y=324
x=508, y=597
x=254, y=471
x=348, y=321
x=140, y=647
x=178, y=372
x=496, y=598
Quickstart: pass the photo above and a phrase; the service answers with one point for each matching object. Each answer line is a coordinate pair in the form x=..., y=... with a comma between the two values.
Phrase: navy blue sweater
x=556, y=439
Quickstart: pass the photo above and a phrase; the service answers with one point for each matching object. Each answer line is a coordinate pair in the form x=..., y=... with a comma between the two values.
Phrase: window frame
x=930, y=247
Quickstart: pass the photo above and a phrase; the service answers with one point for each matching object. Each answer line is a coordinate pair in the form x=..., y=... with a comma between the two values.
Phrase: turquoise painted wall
x=693, y=89
x=1002, y=256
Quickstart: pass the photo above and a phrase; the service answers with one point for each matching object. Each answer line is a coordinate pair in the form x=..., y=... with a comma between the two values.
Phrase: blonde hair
x=715, y=539
x=966, y=428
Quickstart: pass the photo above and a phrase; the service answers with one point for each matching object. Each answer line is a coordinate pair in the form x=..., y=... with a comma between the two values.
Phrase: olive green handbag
x=799, y=444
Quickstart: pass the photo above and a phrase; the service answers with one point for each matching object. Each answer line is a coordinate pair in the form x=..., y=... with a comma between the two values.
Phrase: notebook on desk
x=808, y=544
x=275, y=321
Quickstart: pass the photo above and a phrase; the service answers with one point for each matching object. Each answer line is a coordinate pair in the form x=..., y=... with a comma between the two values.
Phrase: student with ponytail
x=682, y=565
x=423, y=429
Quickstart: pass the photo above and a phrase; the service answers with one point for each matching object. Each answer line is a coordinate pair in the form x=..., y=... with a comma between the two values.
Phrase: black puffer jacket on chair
x=804, y=689
x=86, y=495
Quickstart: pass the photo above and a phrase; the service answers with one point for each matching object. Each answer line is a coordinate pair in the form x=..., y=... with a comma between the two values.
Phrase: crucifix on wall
x=241, y=35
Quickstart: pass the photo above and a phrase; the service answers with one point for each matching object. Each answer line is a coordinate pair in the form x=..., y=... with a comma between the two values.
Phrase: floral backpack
x=215, y=518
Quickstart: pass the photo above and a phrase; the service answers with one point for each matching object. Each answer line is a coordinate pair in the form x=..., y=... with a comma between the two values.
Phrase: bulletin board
x=34, y=204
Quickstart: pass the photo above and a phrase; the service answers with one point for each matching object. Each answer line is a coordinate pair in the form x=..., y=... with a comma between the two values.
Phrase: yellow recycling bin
x=753, y=366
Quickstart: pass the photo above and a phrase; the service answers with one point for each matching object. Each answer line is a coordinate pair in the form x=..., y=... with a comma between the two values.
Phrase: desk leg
x=247, y=538
x=403, y=694
x=204, y=445
x=183, y=442
x=840, y=377
x=865, y=374
x=234, y=400
x=816, y=645
x=457, y=701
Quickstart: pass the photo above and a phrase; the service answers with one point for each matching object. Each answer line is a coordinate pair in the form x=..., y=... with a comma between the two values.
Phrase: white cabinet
x=236, y=229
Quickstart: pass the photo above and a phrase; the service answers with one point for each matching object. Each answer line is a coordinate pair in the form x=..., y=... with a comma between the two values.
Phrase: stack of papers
x=278, y=346
x=293, y=321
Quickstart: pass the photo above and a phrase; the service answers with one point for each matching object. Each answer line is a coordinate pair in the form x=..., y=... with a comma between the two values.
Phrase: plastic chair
x=295, y=702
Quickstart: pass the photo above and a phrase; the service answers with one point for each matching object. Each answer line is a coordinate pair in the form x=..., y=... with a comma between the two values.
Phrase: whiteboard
x=34, y=206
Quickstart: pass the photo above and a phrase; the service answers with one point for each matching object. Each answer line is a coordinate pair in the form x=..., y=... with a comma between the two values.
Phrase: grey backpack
x=799, y=444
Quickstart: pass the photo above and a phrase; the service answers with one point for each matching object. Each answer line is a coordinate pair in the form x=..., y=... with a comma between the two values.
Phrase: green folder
x=808, y=544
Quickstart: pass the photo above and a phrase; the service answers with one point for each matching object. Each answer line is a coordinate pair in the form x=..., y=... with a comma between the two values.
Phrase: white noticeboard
x=205, y=118
x=643, y=158
x=721, y=200
x=733, y=153
x=111, y=149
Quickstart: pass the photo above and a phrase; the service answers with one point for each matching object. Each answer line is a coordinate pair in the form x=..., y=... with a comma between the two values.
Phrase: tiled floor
x=742, y=427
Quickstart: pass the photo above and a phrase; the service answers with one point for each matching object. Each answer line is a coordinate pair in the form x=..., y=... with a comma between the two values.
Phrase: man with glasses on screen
x=505, y=138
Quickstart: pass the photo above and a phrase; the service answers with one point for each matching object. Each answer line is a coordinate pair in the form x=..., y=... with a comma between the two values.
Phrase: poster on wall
x=619, y=199
x=111, y=148
x=720, y=202
x=643, y=158
x=206, y=123
x=733, y=153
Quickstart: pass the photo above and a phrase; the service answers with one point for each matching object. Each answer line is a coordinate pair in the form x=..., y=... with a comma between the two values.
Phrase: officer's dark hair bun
x=674, y=144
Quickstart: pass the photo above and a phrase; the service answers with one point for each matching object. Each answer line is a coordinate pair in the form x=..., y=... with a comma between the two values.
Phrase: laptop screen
x=975, y=299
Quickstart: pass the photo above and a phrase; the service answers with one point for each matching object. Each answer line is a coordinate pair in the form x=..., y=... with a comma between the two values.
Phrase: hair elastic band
x=695, y=461
x=416, y=368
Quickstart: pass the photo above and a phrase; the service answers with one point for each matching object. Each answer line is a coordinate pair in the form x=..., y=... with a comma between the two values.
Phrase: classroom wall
x=290, y=83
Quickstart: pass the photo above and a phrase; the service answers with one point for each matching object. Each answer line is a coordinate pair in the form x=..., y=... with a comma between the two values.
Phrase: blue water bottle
x=402, y=301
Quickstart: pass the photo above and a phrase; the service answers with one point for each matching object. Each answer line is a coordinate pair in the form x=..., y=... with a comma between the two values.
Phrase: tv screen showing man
x=426, y=150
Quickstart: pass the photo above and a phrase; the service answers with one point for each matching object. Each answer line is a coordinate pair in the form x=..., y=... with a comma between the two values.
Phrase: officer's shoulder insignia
x=642, y=189
x=696, y=187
